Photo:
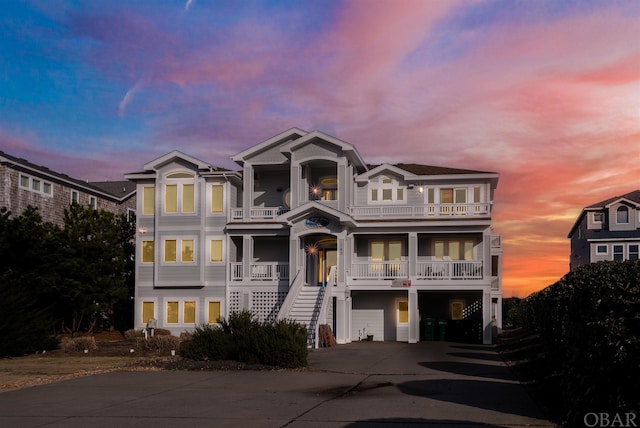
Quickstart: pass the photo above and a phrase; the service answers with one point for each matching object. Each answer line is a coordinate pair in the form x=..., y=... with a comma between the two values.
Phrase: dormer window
x=179, y=193
x=622, y=215
x=386, y=190
x=598, y=217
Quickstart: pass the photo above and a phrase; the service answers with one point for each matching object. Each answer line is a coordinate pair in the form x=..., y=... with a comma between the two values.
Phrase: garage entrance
x=454, y=316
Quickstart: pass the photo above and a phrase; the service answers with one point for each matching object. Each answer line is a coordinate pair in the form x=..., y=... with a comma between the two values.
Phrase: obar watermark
x=602, y=419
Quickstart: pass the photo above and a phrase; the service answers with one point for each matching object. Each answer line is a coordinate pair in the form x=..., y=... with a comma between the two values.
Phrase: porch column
x=413, y=254
x=487, y=323
x=247, y=191
x=414, y=316
x=343, y=318
x=247, y=257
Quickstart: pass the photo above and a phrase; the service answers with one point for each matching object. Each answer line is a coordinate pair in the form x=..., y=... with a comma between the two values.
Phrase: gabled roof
x=416, y=172
x=632, y=198
x=119, y=190
x=347, y=148
x=170, y=157
x=313, y=207
x=283, y=137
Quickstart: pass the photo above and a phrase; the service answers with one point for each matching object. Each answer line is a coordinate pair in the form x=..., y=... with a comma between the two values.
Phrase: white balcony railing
x=261, y=271
x=432, y=210
x=379, y=270
x=445, y=269
x=258, y=213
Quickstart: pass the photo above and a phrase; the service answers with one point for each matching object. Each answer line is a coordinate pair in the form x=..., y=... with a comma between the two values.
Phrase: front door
x=327, y=257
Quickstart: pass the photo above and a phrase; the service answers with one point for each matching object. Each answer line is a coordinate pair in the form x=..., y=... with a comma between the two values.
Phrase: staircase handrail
x=324, y=305
x=294, y=289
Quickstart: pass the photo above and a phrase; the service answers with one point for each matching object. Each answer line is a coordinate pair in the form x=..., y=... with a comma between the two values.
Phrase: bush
x=133, y=334
x=162, y=344
x=78, y=344
x=245, y=339
x=589, y=326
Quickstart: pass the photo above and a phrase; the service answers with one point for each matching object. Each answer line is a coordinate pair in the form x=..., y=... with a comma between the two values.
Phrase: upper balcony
x=421, y=211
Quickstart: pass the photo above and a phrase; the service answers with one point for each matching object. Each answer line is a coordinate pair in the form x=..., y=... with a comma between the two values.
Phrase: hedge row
x=589, y=326
x=244, y=338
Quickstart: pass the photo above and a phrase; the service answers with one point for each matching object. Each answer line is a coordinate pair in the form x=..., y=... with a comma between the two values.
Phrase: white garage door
x=365, y=322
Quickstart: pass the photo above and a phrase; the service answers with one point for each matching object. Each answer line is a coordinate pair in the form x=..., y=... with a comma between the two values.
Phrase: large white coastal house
x=307, y=230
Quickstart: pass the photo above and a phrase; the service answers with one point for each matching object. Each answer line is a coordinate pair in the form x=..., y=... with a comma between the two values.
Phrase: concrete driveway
x=364, y=384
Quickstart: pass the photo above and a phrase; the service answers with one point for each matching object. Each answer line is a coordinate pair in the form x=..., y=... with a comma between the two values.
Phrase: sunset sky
x=546, y=93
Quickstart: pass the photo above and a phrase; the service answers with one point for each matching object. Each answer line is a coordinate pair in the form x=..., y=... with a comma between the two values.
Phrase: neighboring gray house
x=23, y=184
x=307, y=230
x=607, y=230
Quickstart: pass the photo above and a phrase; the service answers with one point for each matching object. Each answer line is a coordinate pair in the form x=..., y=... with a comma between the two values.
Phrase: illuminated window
x=148, y=311
x=170, y=253
x=386, y=190
x=189, y=315
x=216, y=250
x=172, y=312
x=147, y=251
x=403, y=311
x=187, y=250
x=217, y=199
x=468, y=250
x=329, y=187
x=214, y=312
x=179, y=193
x=148, y=200
x=179, y=250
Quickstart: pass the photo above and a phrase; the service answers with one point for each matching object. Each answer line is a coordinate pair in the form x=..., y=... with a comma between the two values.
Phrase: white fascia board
x=162, y=160
x=442, y=225
x=630, y=238
x=276, y=139
x=406, y=175
x=254, y=226
x=348, y=148
x=617, y=201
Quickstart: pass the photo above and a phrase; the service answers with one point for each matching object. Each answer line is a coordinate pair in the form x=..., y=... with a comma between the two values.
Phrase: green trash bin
x=442, y=329
x=427, y=329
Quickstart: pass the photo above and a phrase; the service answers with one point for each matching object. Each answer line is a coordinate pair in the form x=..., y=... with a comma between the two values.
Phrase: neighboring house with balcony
x=307, y=230
x=607, y=230
x=24, y=184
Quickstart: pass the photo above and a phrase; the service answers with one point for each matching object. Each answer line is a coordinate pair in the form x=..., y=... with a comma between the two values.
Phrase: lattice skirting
x=263, y=304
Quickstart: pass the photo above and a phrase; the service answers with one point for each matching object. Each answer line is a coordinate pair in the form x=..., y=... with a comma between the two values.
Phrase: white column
x=414, y=318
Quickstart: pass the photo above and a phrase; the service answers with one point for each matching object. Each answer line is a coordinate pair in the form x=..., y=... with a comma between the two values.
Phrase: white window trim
x=141, y=199
x=598, y=253
x=179, y=182
x=398, y=323
x=93, y=202
x=208, y=250
x=179, y=240
x=209, y=200
x=181, y=301
x=593, y=218
x=142, y=241
x=628, y=214
x=30, y=188
x=142, y=300
x=206, y=309
x=77, y=194
x=394, y=186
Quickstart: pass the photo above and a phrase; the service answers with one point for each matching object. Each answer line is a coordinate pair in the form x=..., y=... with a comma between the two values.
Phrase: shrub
x=71, y=344
x=245, y=339
x=133, y=334
x=589, y=326
x=162, y=344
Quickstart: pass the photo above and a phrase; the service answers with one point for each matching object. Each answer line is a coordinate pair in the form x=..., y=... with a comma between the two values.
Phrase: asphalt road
x=364, y=384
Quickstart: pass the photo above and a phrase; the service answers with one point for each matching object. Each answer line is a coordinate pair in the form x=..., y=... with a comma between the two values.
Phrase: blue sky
x=545, y=92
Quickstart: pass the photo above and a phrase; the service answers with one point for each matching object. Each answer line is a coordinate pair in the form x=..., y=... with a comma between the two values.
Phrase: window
x=172, y=312
x=329, y=188
x=36, y=185
x=216, y=250
x=217, y=200
x=598, y=217
x=468, y=250
x=186, y=316
x=476, y=193
x=633, y=252
x=403, y=311
x=179, y=250
x=622, y=215
x=454, y=249
x=179, y=193
x=602, y=249
x=147, y=251
x=148, y=200
x=93, y=202
x=189, y=312
x=148, y=311
x=386, y=190
x=454, y=196
x=75, y=197
x=170, y=254
x=213, y=312
x=618, y=252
